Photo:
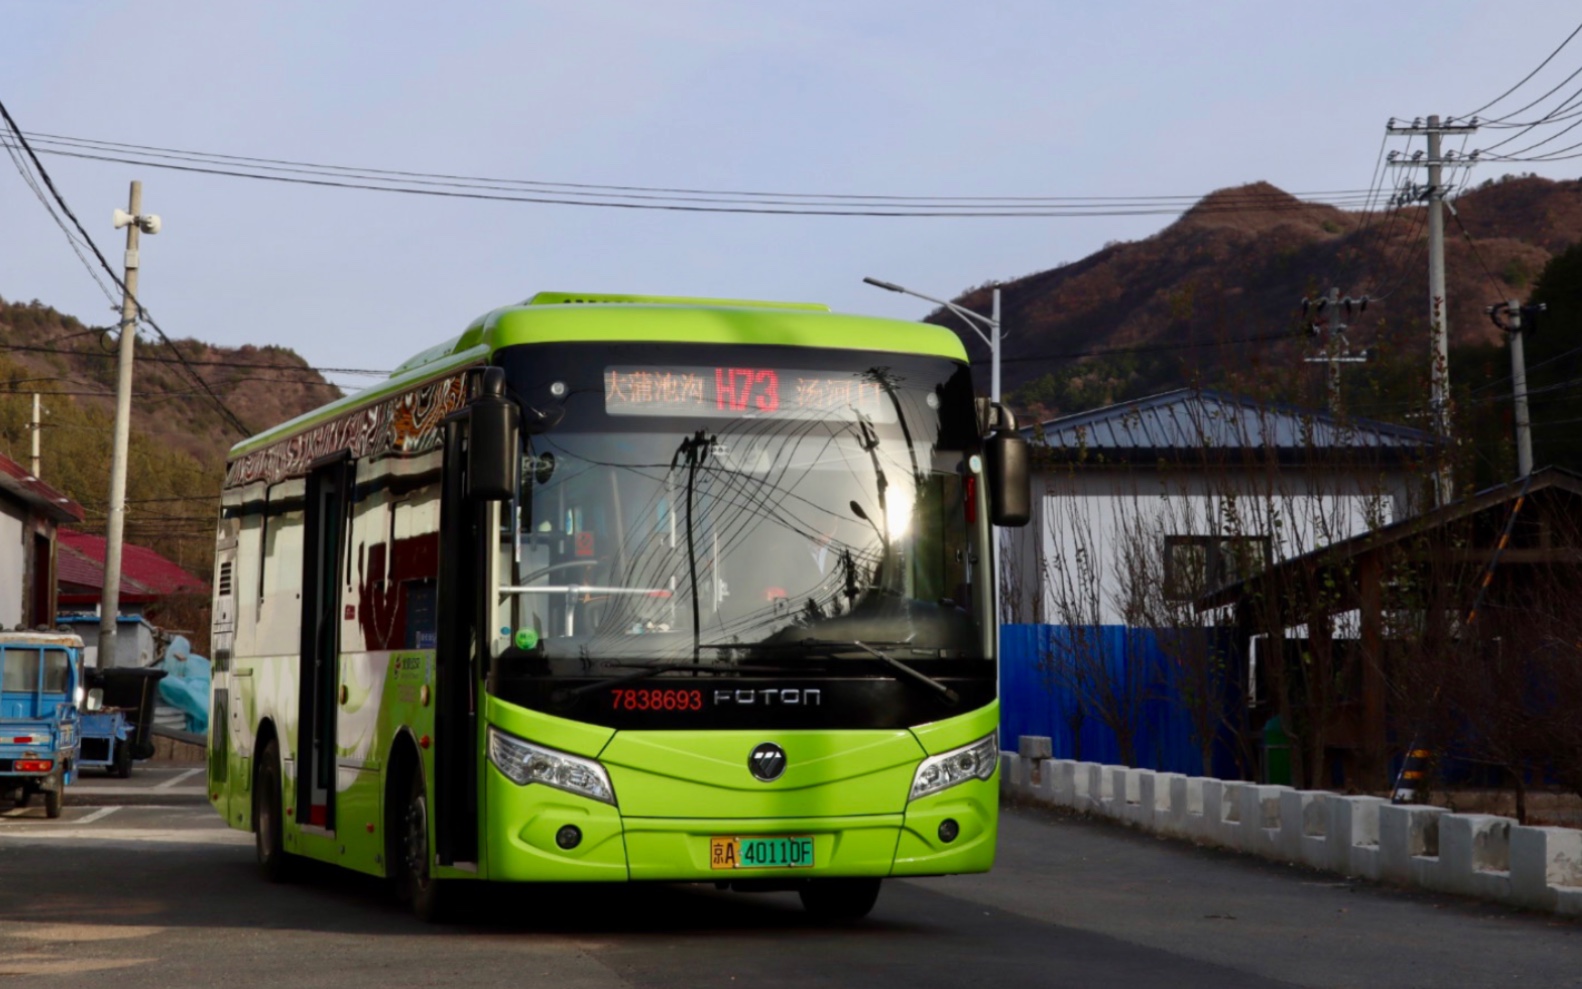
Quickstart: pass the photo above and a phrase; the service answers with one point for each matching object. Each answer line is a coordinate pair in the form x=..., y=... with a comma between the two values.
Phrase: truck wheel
x=277, y=864
x=123, y=761
x=840, y=899
x=52, y=803
x=23, y=795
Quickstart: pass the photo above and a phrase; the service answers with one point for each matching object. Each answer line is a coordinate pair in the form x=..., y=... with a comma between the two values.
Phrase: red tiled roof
x=145, y=575
x=19, y=481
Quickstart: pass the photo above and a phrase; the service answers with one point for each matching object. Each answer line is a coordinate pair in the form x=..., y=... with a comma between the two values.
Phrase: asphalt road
x=138, y=884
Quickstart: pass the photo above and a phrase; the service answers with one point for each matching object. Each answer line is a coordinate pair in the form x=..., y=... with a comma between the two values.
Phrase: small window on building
x=223, y=585
x=1195, y=565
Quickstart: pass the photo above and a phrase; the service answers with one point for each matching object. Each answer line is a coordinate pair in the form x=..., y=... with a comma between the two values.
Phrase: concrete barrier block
x=1472, y=849
x=1063, y=782
x=1407, y=832
x=1208, y=826
x=1303, y=821
x=1116, y=793
x=1164, y=804
x=1186, y=805
x=1568, y=901
x=1352, y=834
x=1260, y=819
x=1542, y=859
x=1098, y=788
x=1143, y=811
x=1035, y=747
x=1007, y=769
x=1228, y=829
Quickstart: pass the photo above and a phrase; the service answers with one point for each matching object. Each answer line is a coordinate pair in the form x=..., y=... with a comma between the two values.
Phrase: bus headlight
x=523, y=762
x=943, y=771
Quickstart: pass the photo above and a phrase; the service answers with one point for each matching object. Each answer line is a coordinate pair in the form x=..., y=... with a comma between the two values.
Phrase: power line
x=1528, y=76
x=1227, y=201
x=88, y=240
x=602, y=189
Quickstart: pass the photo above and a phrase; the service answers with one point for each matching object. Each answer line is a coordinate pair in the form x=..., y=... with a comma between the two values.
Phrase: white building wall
x=1086, y=518
x=13, y=565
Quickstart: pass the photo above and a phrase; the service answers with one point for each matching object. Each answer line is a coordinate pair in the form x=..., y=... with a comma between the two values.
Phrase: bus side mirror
x=94, y=701
x=1007, y=459
x=494, y=444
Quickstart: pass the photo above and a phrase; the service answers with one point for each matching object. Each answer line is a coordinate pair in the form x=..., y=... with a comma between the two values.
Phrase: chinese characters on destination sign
x=740, y=392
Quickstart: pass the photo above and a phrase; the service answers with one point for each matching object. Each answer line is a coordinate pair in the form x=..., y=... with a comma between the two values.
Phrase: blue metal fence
x=1033, y=702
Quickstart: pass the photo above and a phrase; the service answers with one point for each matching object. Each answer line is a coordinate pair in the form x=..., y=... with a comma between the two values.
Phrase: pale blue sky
x=931, y=98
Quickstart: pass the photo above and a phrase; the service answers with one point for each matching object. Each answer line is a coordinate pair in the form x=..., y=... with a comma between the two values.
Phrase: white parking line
x=133, y=791
x=98, y=815
x=167, y=784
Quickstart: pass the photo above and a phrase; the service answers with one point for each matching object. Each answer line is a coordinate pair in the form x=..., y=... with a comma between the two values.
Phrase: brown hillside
x=263, y=386
x=1236, y=266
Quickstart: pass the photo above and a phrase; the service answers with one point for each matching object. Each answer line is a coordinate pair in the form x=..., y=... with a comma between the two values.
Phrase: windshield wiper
x=923, y=678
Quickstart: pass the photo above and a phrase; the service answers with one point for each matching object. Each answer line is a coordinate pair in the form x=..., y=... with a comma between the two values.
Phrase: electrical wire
x=1524, y=80
x=60, y=201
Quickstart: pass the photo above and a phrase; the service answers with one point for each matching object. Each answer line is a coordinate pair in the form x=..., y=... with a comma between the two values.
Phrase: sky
x=1123, y=98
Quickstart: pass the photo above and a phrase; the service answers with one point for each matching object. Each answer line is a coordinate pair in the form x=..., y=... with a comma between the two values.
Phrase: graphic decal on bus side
x=403, y=425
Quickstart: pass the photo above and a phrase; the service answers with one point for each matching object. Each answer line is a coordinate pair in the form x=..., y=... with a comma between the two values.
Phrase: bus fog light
x=568, y=837
x=948, y=769
x=523, y=763
x=949, y=830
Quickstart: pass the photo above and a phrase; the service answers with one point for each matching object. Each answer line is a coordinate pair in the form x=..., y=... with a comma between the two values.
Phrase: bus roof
x=570, y=317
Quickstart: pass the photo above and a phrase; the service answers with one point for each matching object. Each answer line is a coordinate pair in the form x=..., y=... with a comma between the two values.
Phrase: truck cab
x=41, y=687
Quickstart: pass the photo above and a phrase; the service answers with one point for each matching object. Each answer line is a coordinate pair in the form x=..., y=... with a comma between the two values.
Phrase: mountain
x=179, y=437
x=1215, y=296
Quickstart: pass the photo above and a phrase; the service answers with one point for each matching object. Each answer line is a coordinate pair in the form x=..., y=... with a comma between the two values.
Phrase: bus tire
x=426, y=894
x=276, y=864
x=52, y=803
x=839, y=899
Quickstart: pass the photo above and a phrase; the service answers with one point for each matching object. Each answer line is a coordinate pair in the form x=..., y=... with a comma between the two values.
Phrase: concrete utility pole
x=36, y=427
x=1433, y=195
x=135, y=223
x=1337, y=350
x=1513, y=310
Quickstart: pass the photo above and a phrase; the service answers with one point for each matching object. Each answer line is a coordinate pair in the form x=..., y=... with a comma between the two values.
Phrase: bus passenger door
x=454, y=789
x=323, y=543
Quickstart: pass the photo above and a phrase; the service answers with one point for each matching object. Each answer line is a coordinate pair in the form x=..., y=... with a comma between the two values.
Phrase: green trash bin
x=1276, y=753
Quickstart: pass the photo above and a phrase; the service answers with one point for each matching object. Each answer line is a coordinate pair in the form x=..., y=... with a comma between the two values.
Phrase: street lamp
x=976, y=321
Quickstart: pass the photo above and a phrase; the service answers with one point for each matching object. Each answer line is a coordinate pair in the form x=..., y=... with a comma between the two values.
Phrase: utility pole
x=135, y=223
x=1337, y=349
x=1513, y=311
x=1433, y=195
x=36, y=427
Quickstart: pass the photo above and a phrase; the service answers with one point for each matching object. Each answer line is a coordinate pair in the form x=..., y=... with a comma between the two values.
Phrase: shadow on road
x=193, y=886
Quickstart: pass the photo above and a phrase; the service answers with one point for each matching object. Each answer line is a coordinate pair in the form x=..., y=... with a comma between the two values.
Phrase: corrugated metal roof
x=145, y=575
x=1188, y=420
x=19, y=481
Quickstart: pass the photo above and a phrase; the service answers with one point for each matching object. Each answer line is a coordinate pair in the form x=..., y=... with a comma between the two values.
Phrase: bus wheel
x=52, y=803
x=426, y=893
x=840, y=899
x=273, y=860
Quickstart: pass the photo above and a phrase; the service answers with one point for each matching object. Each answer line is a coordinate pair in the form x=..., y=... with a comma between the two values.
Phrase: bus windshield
x=703, y=510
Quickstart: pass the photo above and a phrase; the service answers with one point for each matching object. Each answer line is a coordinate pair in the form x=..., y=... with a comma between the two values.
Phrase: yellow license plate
x=761, y=853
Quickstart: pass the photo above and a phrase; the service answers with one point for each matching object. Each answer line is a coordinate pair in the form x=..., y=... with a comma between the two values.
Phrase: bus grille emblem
x=767, y=762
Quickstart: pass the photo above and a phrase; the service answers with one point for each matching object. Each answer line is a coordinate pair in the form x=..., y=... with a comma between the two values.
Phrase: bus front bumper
x=527, y=839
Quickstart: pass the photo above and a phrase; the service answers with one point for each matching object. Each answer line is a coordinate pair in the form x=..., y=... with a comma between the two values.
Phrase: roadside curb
x=1477, y=855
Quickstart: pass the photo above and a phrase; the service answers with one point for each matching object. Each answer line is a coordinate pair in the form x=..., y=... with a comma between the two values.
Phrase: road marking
x=170, y=783
x=99, y=815
x=195, y=836
x=136, y=791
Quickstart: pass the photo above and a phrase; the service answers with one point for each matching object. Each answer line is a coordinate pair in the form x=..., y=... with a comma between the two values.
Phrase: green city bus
x=620, y=588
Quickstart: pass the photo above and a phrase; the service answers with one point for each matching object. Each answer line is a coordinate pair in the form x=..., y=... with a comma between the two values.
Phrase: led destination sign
x=742, y=392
